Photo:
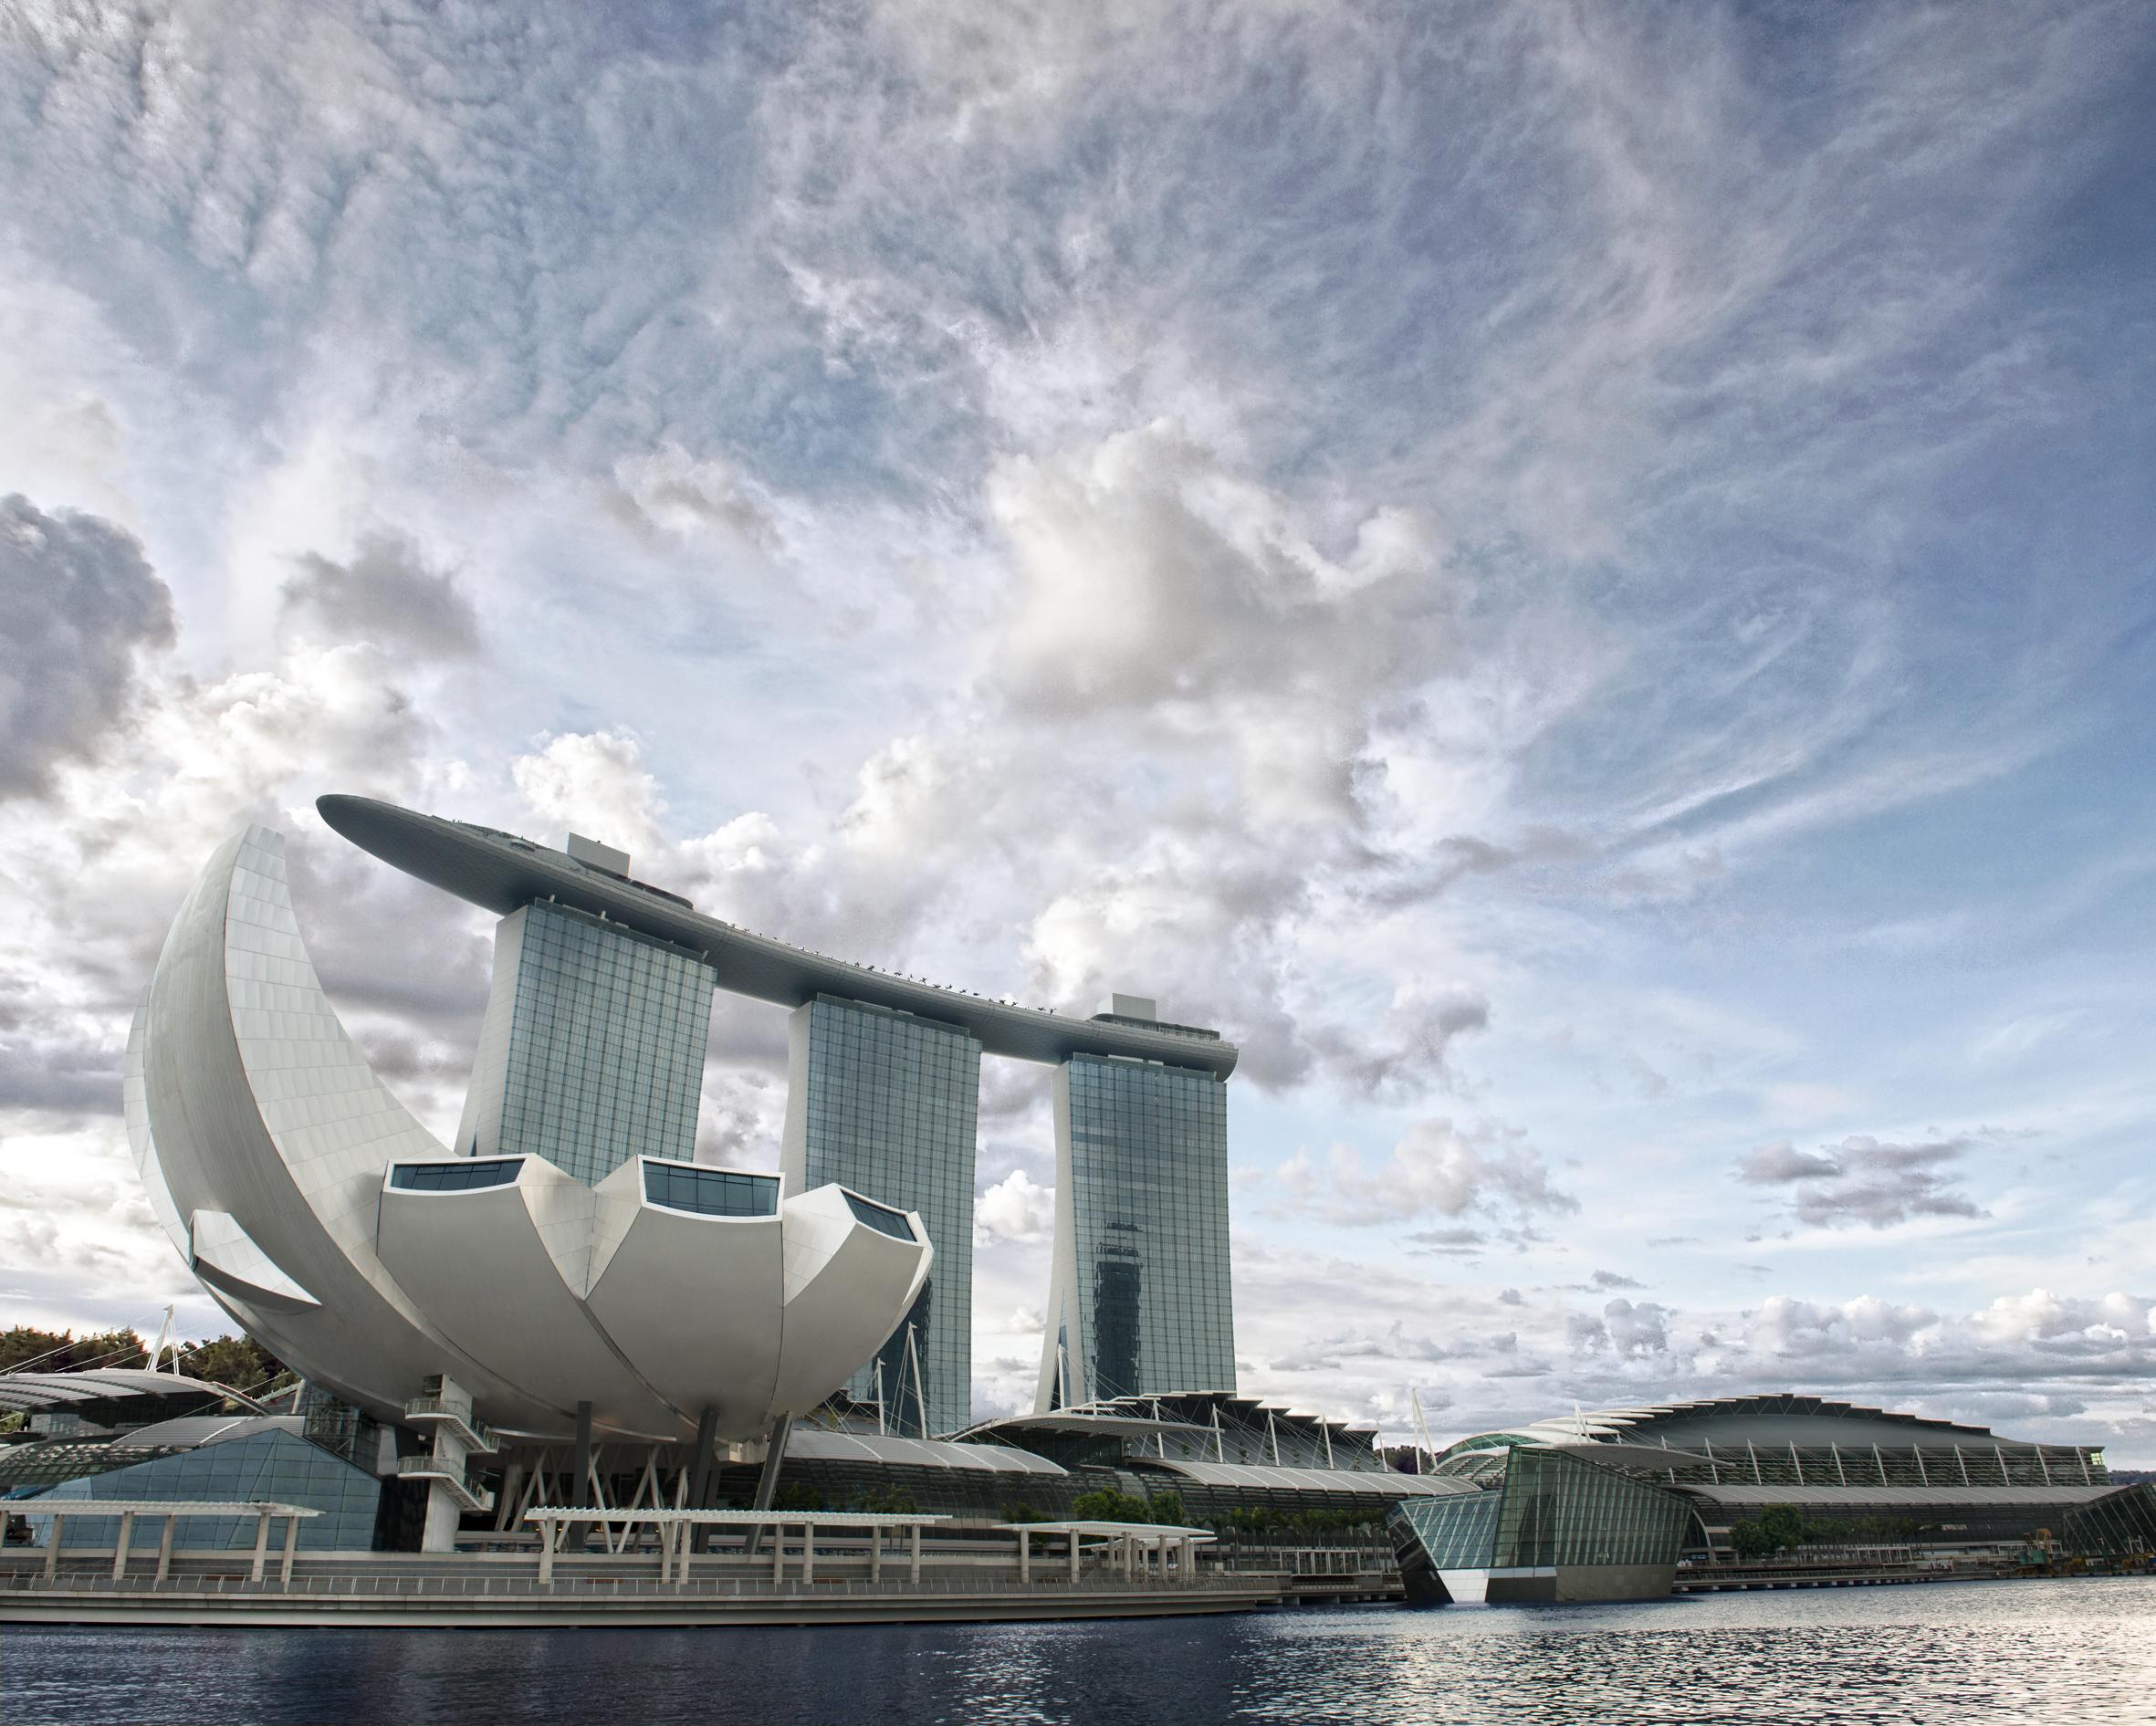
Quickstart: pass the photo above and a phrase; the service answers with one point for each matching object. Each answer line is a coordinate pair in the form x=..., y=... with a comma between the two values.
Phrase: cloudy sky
x=1577, y=580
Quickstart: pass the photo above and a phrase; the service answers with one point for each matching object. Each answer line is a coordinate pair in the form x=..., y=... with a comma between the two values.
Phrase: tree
x=63, y=1351
x=1783, y=1526
x=1167, y=1507
x=239, y=1362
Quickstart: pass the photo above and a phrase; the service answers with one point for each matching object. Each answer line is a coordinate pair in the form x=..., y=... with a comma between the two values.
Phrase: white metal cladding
x=1372, y=1482
x=268, y=1146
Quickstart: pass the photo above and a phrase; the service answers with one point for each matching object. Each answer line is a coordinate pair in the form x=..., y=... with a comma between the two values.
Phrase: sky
x=1576, y=580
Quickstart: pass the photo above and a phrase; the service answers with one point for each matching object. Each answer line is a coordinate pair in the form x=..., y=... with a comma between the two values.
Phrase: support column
x=119, y=1546
x=778, y=1552
x=875, y=1555
x=1025, y=1556
x=701, y=1476
x=1074, y=1554
x=164, y=1547
x=52, y=1547
x=913, y=1554
x=284, y=1569
x=546, y=1532
x=579, y=1475
x=767, y=1481
x=261, y=1546
x=808, y=1551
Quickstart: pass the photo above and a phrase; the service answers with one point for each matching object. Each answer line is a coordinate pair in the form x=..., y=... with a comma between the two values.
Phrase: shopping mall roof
x=502, y=871
x=1735, y=1421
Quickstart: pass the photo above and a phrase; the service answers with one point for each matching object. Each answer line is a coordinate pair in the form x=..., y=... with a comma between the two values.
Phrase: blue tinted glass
x=881, y=1217
x=459, y=1176
x=711, y=1192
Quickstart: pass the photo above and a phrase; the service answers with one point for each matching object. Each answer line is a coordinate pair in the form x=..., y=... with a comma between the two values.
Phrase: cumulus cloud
x=385, y=595
x=1864, y=1180
x=1016, y=1208
x=82, y=605
x=1627, y=1329
x=594, y=783
x=1436, y=1169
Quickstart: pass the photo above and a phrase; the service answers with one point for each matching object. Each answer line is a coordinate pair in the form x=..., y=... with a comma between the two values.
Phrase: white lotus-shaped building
x=664, y=1299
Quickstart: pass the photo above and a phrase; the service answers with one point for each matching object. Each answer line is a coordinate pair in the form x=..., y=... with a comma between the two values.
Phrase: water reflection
x=2070, y=1651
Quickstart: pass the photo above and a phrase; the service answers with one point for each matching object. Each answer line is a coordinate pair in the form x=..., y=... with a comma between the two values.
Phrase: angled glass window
x=881, y=1217
x=711, y=1192
x=459, y=1176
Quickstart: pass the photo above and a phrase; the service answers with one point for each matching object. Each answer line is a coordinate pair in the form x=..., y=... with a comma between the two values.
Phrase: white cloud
x=1016, y=1208
x=1436, y=1169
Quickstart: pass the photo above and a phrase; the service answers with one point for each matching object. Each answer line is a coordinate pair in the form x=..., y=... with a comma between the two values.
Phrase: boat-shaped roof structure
x=503, y=871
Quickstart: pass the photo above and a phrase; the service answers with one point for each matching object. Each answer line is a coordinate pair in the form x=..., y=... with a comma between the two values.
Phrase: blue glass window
x=459, y=1176
x=881, y=1217
x=711, y=1192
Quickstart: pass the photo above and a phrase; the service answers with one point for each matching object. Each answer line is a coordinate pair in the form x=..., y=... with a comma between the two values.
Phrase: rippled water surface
x=2075, y=1653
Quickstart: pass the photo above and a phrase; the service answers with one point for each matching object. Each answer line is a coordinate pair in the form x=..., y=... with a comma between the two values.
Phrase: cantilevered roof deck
x=502, y=872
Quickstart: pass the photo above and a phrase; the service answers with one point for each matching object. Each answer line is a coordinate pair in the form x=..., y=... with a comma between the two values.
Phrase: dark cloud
x=386, y=595
x=1604, y=1281
x=80, y=601
x=1864, y=1180
x=1457, y=1243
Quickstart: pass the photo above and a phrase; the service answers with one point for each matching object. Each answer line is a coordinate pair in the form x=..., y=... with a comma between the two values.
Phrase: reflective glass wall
x=886, y=1104
x=593, y=1048
x=1141, y=1301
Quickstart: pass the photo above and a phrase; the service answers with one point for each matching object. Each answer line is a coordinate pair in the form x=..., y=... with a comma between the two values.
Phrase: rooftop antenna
x=1421, y=1426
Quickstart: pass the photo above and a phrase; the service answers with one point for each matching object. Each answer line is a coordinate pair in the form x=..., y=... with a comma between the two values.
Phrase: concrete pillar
x=261, y=1544
x=1025, y=1556
x=164, y=1548
x=914, y=1559
x=580, y=1477
x=1074, y=1554
x=808, y=1551
x=875, y=1555
x=52, y=1546
x=703, y=1477
x=547, y=1531
x=778, y=1552
x=284, y=1569
x=119, y=1546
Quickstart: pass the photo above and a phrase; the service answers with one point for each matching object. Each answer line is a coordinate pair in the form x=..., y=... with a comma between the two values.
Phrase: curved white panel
x=135, y=1102
x=479, y=1260
x=255, y=1104
x=847, y=1286
x=694, y=1301
x=222, y=1254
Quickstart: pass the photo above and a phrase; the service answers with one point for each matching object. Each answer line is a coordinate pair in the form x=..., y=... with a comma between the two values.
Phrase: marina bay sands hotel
x=592, y=1053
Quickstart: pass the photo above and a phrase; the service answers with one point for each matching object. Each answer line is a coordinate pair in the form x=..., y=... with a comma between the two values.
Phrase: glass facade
x=275, y=1466
x=1142, y=1302
x=711, y=1192
x=1550, y=1510
x=592, y=1049
x=886, y=1104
